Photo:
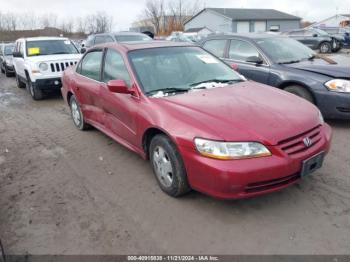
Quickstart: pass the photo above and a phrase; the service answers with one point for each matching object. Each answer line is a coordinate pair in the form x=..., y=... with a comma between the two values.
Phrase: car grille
x=295, y=145
x=270, y=184
x=61, y=66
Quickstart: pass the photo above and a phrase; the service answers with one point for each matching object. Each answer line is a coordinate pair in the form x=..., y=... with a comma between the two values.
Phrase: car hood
x=242, y=112
x=53, y=58
x=339, y=69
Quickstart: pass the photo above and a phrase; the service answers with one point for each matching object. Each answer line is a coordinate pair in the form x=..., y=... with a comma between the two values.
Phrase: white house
x=334, y=21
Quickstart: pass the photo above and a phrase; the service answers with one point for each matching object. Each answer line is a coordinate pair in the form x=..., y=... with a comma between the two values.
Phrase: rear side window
x=241, y=50
x=216, y=47
x=115, y=68
x=90, y=66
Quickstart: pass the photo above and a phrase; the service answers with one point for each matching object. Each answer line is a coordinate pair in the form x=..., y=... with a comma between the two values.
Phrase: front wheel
x=168, y=166
x=301, y=92
x=77, y=115
x=325, y=48
x=35, y=92
x=20, y=84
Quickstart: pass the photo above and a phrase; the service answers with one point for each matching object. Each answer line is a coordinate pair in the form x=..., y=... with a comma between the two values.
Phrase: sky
x=125, y=12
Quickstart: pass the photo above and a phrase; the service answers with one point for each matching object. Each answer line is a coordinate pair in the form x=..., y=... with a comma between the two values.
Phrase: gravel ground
x=63, y=191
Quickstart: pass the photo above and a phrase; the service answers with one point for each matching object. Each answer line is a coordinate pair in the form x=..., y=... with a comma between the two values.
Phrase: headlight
x=8, y=62
x=43, y=66
x=339, y=85
x=230, y=150
x=320, y=116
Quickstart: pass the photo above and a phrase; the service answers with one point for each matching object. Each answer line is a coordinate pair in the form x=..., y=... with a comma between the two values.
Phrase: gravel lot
x=63, y=191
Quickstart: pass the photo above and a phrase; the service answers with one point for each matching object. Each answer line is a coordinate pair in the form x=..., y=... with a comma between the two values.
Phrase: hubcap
x=163, y=166
x=324, y=48
x=75, y=113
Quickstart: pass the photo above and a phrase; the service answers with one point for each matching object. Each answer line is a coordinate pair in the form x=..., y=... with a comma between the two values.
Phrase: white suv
x=40, y=61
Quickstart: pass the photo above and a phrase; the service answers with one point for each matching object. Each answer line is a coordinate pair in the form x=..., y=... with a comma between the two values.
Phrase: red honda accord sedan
x=202, y=125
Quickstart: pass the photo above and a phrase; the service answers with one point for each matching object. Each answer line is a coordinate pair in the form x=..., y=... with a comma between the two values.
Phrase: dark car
x=201, y=124
x=287, y=64
x=6, y=59
x=317, y=39
x=339, y=32
x=119, y=37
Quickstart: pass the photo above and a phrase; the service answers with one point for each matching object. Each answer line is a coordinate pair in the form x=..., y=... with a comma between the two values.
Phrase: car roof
x=252, y=36
x=119, y=33
x=128, y=46
x=44, y=38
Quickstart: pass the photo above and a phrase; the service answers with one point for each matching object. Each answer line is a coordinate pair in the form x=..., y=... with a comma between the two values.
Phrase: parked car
x=317, y=39
x=40, y=61
x=179, y=37
x=339, y=32
x=119, y=37
x=289, y=65
x=199, y=122
x=6, y=59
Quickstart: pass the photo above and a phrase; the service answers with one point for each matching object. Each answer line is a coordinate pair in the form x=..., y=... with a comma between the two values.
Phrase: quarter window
x=216, y=47
x=241, y=50
x=91, y=65
x=115, y=68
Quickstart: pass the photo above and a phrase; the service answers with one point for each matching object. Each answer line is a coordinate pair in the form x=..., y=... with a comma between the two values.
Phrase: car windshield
x=177, y=69
x=132, y=38
x=285, y=50
x=9, y=49
x=50, y=47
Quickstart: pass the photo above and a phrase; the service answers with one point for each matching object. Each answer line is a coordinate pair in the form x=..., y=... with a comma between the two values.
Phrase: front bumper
x=251, y=177
x=333, y=105
x=49, y=84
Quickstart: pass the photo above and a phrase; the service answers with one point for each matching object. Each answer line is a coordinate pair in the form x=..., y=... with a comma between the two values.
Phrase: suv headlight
x=338, y=85
x=43, y=66
x=230, y=150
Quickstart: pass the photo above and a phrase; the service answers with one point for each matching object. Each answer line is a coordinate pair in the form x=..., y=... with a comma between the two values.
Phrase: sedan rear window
x=132, y=38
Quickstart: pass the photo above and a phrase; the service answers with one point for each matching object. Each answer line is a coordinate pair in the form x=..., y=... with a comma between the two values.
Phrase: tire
x=168, y=166
x=7, y=74
x=36, y=93
x=325, y=48
x=77, y=115
x=301, y=92
x=20, y=84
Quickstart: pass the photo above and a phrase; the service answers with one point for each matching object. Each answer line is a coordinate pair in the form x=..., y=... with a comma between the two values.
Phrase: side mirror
x=255, y=60
x=119, y=86
x=17, y=54
x=83, y=50
x=315, y=35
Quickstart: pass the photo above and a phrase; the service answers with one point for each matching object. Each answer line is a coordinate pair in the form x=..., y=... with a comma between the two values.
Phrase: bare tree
x=48, y=20
x=155, y=12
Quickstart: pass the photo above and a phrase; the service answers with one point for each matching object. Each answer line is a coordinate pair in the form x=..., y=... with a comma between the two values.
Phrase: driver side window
x=241, y=50
x=114, y=68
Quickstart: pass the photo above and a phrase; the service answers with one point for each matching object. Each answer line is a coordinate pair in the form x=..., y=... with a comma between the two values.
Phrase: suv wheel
x=20, y=84
x=325, y=48
x=77, y=115
x=301, y=92
x=168, y=166
x=36, y=93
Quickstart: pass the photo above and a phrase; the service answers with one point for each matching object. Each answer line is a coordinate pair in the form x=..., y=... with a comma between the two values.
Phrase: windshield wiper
x=60, y=53
x=167, y=90
x=217, y=81
x=289, y=62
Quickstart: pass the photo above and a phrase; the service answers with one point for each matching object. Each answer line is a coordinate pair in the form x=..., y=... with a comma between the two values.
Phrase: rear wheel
x=325, y=48
x=77, y=115
x=301, y=92
x=168, y=166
